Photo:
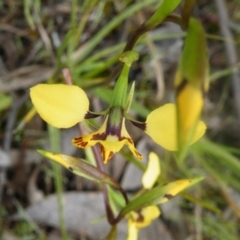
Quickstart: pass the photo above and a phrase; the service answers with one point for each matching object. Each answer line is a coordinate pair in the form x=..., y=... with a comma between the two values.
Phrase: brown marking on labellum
x=79, y=142
x=101, y=149
x=83, y=144
x=71, y=169
x=76, y=140
x=111, y=154
x=99, y=136
x=168, y=196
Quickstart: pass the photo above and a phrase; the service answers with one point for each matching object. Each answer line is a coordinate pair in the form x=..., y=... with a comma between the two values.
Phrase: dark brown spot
x=91, y=115
x=84, y=144
x=182, y=86
x=168, y=196
x=141, y=125
x=71, y=169
x=111, y=154
x=140, y=218
x=138, y=154
x=102, y=151
x=79, y=142
x=99, y=136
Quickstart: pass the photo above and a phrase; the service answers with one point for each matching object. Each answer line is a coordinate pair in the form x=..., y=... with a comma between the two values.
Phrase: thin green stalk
x=109, y=27
x=54, y=137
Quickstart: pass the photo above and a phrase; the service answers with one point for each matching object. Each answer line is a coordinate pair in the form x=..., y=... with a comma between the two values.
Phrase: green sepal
x=115, y=117
x=130, y=98
x=120, y=90
x=193, y=66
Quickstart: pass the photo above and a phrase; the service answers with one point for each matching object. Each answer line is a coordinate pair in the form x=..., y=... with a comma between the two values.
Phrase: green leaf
x=218, y=161
x=82, y=168
x=166, y=7
x=157, y=195
x=93, y=42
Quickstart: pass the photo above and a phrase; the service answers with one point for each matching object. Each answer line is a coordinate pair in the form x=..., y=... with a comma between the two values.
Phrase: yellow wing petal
x=60, y=105
x=161, y=126
x=178, y=186
x=152, y=172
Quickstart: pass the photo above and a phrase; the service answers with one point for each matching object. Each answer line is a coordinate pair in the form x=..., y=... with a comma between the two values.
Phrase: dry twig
x=231, y=51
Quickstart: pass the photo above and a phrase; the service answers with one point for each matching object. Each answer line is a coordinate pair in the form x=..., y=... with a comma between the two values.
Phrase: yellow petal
x=177, y=187
x=109, y=144
x=190, y=104
x=161, y=126
x=142, y=218
x=199, y=131
x=152, y=172
x=60, y=105
x=149, y=214
x=132, y=230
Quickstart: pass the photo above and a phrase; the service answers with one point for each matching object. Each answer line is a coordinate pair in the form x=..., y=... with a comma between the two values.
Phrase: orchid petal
x=132, y=231
x=161, y=126
x=152, y=172
x=149, y=214
x=109, y=144
x=60, y=105
x=140, y=220
x=177, y=187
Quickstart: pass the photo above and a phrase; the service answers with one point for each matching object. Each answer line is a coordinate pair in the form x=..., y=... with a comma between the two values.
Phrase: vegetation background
x=39, y=38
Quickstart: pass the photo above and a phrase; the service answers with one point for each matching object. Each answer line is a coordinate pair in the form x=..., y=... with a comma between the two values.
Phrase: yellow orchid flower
x=152, y=172
x=111, y=137
x=141, y=219
x=144, y=217
x=63, y=106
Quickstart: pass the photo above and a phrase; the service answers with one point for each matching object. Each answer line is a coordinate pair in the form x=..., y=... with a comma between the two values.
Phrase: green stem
x=54, y=137
x=110, y=26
